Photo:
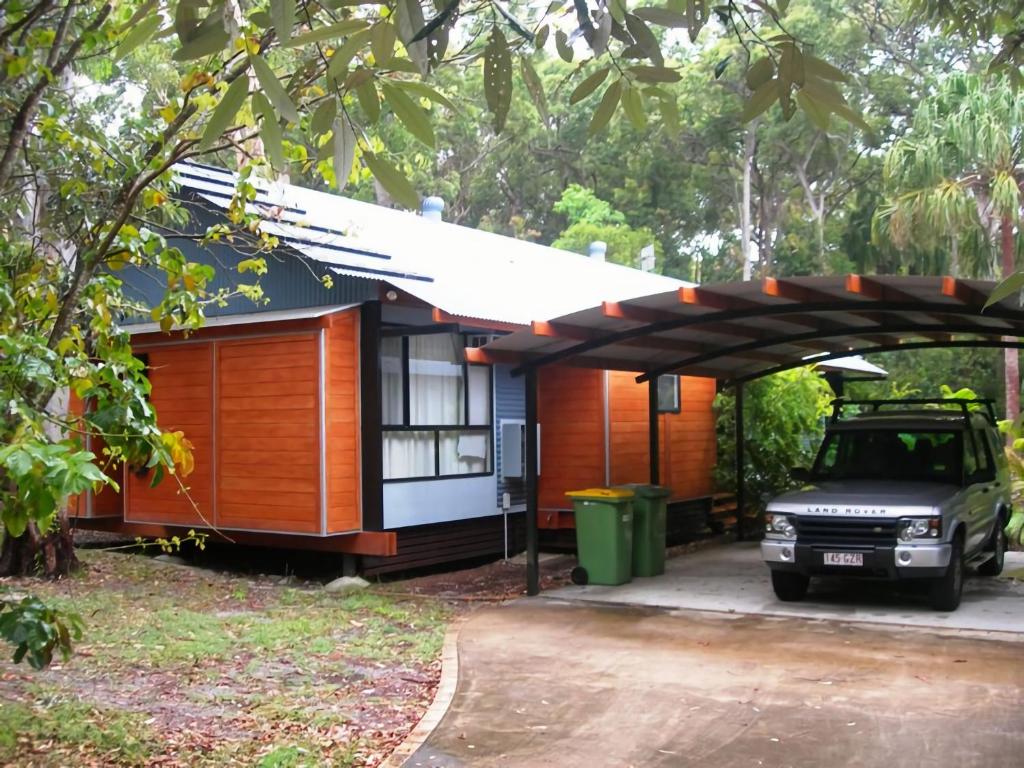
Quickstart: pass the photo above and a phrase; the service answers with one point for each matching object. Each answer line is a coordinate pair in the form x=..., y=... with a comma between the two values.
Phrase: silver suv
x=904, y=489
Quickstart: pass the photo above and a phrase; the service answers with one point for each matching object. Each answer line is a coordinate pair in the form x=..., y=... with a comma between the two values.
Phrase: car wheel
x=994, y=565
x=579, y=576
x=790, y=587
x=948, y=588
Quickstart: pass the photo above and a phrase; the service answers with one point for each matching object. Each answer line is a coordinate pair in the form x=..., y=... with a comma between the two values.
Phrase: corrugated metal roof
x=462, y=271
x=305, y=313
x=739, y=331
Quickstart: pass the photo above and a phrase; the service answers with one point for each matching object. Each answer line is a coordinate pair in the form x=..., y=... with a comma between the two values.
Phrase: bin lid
x=601, y=494
x=646, y=490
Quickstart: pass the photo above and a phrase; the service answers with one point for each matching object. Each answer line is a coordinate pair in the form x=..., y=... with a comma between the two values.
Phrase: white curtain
x=435, y=381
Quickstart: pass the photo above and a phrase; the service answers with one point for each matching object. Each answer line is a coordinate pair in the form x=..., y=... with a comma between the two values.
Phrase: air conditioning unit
x=513, y=448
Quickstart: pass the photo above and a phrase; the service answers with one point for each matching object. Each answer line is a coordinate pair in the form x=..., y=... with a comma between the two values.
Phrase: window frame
x=438, y=429
x=678, y=407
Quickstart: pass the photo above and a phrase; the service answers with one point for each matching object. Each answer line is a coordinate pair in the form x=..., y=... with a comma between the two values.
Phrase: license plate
x=844, y=558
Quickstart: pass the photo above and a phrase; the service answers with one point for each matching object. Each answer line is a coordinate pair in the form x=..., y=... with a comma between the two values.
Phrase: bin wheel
x=579, y=576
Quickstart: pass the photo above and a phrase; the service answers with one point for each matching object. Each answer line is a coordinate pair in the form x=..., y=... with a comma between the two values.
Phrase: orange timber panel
x=570, y=409
x=268, y=427
x=344, y=504
x=107, y=502
x=687, y=438
x=182, y=395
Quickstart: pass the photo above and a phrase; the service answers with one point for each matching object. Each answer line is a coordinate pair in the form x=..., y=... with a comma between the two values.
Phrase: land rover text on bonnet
x=900, y=489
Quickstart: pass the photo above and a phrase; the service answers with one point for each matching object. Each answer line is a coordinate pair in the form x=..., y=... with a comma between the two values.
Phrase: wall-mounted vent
x=480, y=340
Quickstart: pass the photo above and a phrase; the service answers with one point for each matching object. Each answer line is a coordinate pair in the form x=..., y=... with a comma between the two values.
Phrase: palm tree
x=954, y=187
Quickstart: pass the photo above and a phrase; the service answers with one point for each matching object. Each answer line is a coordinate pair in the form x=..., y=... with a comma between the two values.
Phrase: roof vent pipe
x=597, y=250
x=432, y=208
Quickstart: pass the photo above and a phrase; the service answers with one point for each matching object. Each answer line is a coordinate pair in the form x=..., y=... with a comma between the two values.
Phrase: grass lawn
x=183, y=666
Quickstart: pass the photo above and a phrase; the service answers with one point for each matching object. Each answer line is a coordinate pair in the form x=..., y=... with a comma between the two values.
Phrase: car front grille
x=845, y=530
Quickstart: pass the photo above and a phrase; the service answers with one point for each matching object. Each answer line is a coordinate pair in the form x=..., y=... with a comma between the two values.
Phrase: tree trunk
x=745, y=213
x=1011, y=357
x=33, y=554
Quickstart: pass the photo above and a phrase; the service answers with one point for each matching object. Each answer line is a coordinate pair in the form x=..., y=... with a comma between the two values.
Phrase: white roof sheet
x=460, y=270
x=853, y=364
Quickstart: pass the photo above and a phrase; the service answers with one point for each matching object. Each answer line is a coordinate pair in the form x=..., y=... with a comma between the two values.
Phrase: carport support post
x=740, y=463
x=654, y=447
x=532, y=543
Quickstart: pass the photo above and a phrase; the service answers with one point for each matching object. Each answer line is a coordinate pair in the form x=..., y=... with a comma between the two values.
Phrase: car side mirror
x=800, y=474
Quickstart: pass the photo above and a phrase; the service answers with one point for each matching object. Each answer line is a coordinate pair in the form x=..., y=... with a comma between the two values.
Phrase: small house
x=349, y=415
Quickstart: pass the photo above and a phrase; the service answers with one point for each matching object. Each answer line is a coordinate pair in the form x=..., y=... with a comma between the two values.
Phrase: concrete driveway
x=545, y=682
x=732, y=578
x=704, y=668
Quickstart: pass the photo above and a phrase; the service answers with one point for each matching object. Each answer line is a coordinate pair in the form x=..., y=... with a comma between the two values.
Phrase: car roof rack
x=876, y=405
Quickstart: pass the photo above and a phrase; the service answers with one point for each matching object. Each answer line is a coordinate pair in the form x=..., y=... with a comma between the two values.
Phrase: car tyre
x=994, y=565
x=790, y=587
x=948, y=588
x=579, y=576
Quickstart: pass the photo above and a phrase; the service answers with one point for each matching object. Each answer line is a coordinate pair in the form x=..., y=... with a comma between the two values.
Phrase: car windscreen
x=891, y=454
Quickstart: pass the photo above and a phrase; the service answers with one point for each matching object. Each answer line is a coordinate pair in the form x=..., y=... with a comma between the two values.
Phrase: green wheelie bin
x=650, y=503
x=604, y=535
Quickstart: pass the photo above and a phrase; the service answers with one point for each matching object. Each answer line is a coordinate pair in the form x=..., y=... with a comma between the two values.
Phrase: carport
x=741, y=331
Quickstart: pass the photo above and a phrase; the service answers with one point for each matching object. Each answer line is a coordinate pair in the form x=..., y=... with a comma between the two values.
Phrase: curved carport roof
x=739, y=331
x=736, y=332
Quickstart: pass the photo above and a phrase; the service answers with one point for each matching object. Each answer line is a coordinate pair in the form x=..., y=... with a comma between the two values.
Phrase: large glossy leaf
x=270, y=131
x=1008, y=287
x=393, y=181
x=273, y=89
x=383, y=37
x=369, y=100
x=759, y=73
x=661, y=16
x=442, y=18
x=535, y=88
x=137, y=35
x=282, y=15
x=589, y=85
x=344, y=141
x=513, y=22
x=498, y=78
x=210, y=40
x=645, y=39
x=323, y=118
x=329, y=32
x=410, y=20
x=817, y=113
x=565, y=51
x=823, y=69
x=224, y=113
x=343, y=56
x=606, y=109
x=633, y=106
x=761, y=99
x=418, y=88
x=412, y=116
x=655, y=74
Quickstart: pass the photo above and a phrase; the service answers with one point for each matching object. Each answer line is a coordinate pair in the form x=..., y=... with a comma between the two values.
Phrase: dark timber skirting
x=422, y=546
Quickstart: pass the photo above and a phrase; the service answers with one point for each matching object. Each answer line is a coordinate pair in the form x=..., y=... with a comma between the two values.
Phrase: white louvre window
x=668, y=394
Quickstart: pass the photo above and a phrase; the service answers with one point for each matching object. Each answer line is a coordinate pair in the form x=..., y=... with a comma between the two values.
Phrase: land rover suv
x=900, y=489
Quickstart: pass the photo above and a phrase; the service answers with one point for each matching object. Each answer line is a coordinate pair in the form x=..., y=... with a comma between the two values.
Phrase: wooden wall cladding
x=342, y=423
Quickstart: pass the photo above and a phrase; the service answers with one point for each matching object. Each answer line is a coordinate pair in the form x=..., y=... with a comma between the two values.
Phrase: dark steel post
x=740, y=464
x=532, y=543
x=652, y=431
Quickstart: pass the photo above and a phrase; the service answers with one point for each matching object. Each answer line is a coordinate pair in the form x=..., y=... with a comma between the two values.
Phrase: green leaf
x=513, y=22
x=818, y=113
x=759, y=73
x=589, y=85
x=344, y=142
x=824, y=92
x=1011, y=285
x=329, y=32
x=323, y=118
x=720, y=66
x=270, y=131
x=541, y=37
x=224, y=113
x=655, y=74
x=565, y=51
x=437, y=21
x=342, y=56
x=823, y=69
x=409, y=18
x=273, y=89
x=212, y=40
x=413, y=117
x=633, y=106
x=761, y=99
x=137, y=35
x=383, y=37
x=498, y=78
x=661, y=16
x=606, y=109
x=852, y=117
x=369, y=100
x=282, y=13
x=393, y=181
x=418, y=88
x=535, y=88
x=645, y=39
x=791, y=66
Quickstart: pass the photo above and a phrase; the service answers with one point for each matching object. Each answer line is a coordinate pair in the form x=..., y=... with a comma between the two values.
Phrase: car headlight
x=922, y=528
x=779, y=525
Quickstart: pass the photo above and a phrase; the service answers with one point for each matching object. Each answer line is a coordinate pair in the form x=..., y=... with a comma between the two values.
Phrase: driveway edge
x=442, y=699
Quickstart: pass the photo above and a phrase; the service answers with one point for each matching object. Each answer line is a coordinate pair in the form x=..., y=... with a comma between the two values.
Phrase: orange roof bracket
x=962, y=292
x=620, y=310
x=787, y=289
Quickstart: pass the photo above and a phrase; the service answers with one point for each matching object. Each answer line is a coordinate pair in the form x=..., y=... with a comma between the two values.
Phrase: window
x=889, y=454
x=435, y=409
x=985, y=470
x=668, y=394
